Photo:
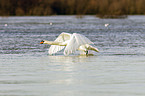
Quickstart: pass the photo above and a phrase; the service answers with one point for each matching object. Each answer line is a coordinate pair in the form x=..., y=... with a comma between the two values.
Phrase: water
x=26, y=69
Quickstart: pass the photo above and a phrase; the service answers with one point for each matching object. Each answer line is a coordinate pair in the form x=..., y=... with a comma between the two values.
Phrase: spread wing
x=75, y=42
x=61, y=38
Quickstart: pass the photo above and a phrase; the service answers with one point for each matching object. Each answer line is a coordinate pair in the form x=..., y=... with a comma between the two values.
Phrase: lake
x=26, y=68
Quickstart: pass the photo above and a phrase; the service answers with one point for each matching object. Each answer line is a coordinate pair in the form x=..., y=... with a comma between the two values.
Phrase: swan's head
x=42, y=42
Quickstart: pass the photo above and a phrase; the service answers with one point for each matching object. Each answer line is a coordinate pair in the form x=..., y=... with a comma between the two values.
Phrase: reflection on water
x=73, y=59
x=71, y=75
x=26, y=69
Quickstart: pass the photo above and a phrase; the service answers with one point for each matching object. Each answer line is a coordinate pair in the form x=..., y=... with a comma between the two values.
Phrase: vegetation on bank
x=71, y=7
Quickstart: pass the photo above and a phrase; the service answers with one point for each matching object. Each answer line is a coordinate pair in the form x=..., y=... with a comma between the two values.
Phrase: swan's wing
x=54, y=49
x=75, y=42
x=61, y=38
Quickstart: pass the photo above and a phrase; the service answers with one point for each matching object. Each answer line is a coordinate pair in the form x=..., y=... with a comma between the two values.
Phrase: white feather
x=63, y=37
x=75, y=42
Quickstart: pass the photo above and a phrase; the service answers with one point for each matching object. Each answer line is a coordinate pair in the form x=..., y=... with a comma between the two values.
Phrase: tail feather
x=93, y=48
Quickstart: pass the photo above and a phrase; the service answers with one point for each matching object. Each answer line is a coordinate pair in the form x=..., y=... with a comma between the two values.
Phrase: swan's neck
x=54, y=43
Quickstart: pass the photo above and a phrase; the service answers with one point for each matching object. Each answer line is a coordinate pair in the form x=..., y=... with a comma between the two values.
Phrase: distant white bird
x=71, y=43
x=106, y=25
x=50, y=23
x=6, y=25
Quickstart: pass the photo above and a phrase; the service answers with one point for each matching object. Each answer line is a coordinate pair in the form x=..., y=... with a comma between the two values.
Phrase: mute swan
x=71, y=42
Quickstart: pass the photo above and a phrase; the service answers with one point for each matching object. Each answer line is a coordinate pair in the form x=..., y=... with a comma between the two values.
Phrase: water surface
x=26, y=69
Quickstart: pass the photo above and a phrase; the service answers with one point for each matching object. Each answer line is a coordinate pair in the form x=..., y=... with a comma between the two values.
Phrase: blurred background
x=71, y=7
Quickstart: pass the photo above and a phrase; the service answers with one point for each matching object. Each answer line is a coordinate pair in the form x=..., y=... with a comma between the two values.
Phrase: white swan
x=72, y=42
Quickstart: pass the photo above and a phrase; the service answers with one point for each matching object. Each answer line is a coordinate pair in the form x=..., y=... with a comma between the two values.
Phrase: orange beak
x=42, y=42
